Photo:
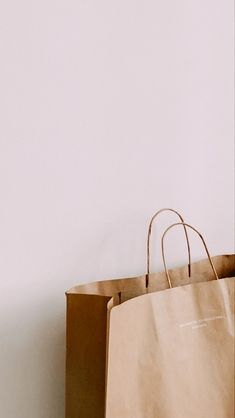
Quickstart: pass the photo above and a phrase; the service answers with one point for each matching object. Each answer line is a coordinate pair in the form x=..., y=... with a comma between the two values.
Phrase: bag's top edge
x=110, y=286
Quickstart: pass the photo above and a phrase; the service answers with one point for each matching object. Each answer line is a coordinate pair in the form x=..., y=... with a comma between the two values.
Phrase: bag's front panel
x=171, y=354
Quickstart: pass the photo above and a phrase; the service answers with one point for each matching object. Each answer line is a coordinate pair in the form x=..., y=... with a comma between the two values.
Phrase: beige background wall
x=109, y=111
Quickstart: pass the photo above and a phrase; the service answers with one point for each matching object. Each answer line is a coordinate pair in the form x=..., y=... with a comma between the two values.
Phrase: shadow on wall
x=34, y=349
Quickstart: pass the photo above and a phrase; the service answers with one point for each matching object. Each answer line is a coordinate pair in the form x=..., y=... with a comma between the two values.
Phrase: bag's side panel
x=85, y=357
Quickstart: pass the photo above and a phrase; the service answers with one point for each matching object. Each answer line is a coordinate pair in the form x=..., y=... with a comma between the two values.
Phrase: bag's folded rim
x=100, y=287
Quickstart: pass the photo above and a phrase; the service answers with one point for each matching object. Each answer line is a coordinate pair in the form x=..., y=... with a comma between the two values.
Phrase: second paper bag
x=171, y=353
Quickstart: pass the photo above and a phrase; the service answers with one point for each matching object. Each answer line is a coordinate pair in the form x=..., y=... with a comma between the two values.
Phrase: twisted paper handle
x=148, y=241
x=203, y=241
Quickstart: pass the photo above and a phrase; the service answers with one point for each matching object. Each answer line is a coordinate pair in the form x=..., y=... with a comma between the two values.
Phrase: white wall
x=109, y=111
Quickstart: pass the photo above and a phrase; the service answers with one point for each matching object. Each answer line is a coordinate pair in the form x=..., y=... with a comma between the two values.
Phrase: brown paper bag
x=86, y=335
x=171, y=352
x=87, y=324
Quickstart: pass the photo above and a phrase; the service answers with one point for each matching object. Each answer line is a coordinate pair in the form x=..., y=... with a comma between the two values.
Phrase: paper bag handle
x=203, y=241
x=148, y=241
